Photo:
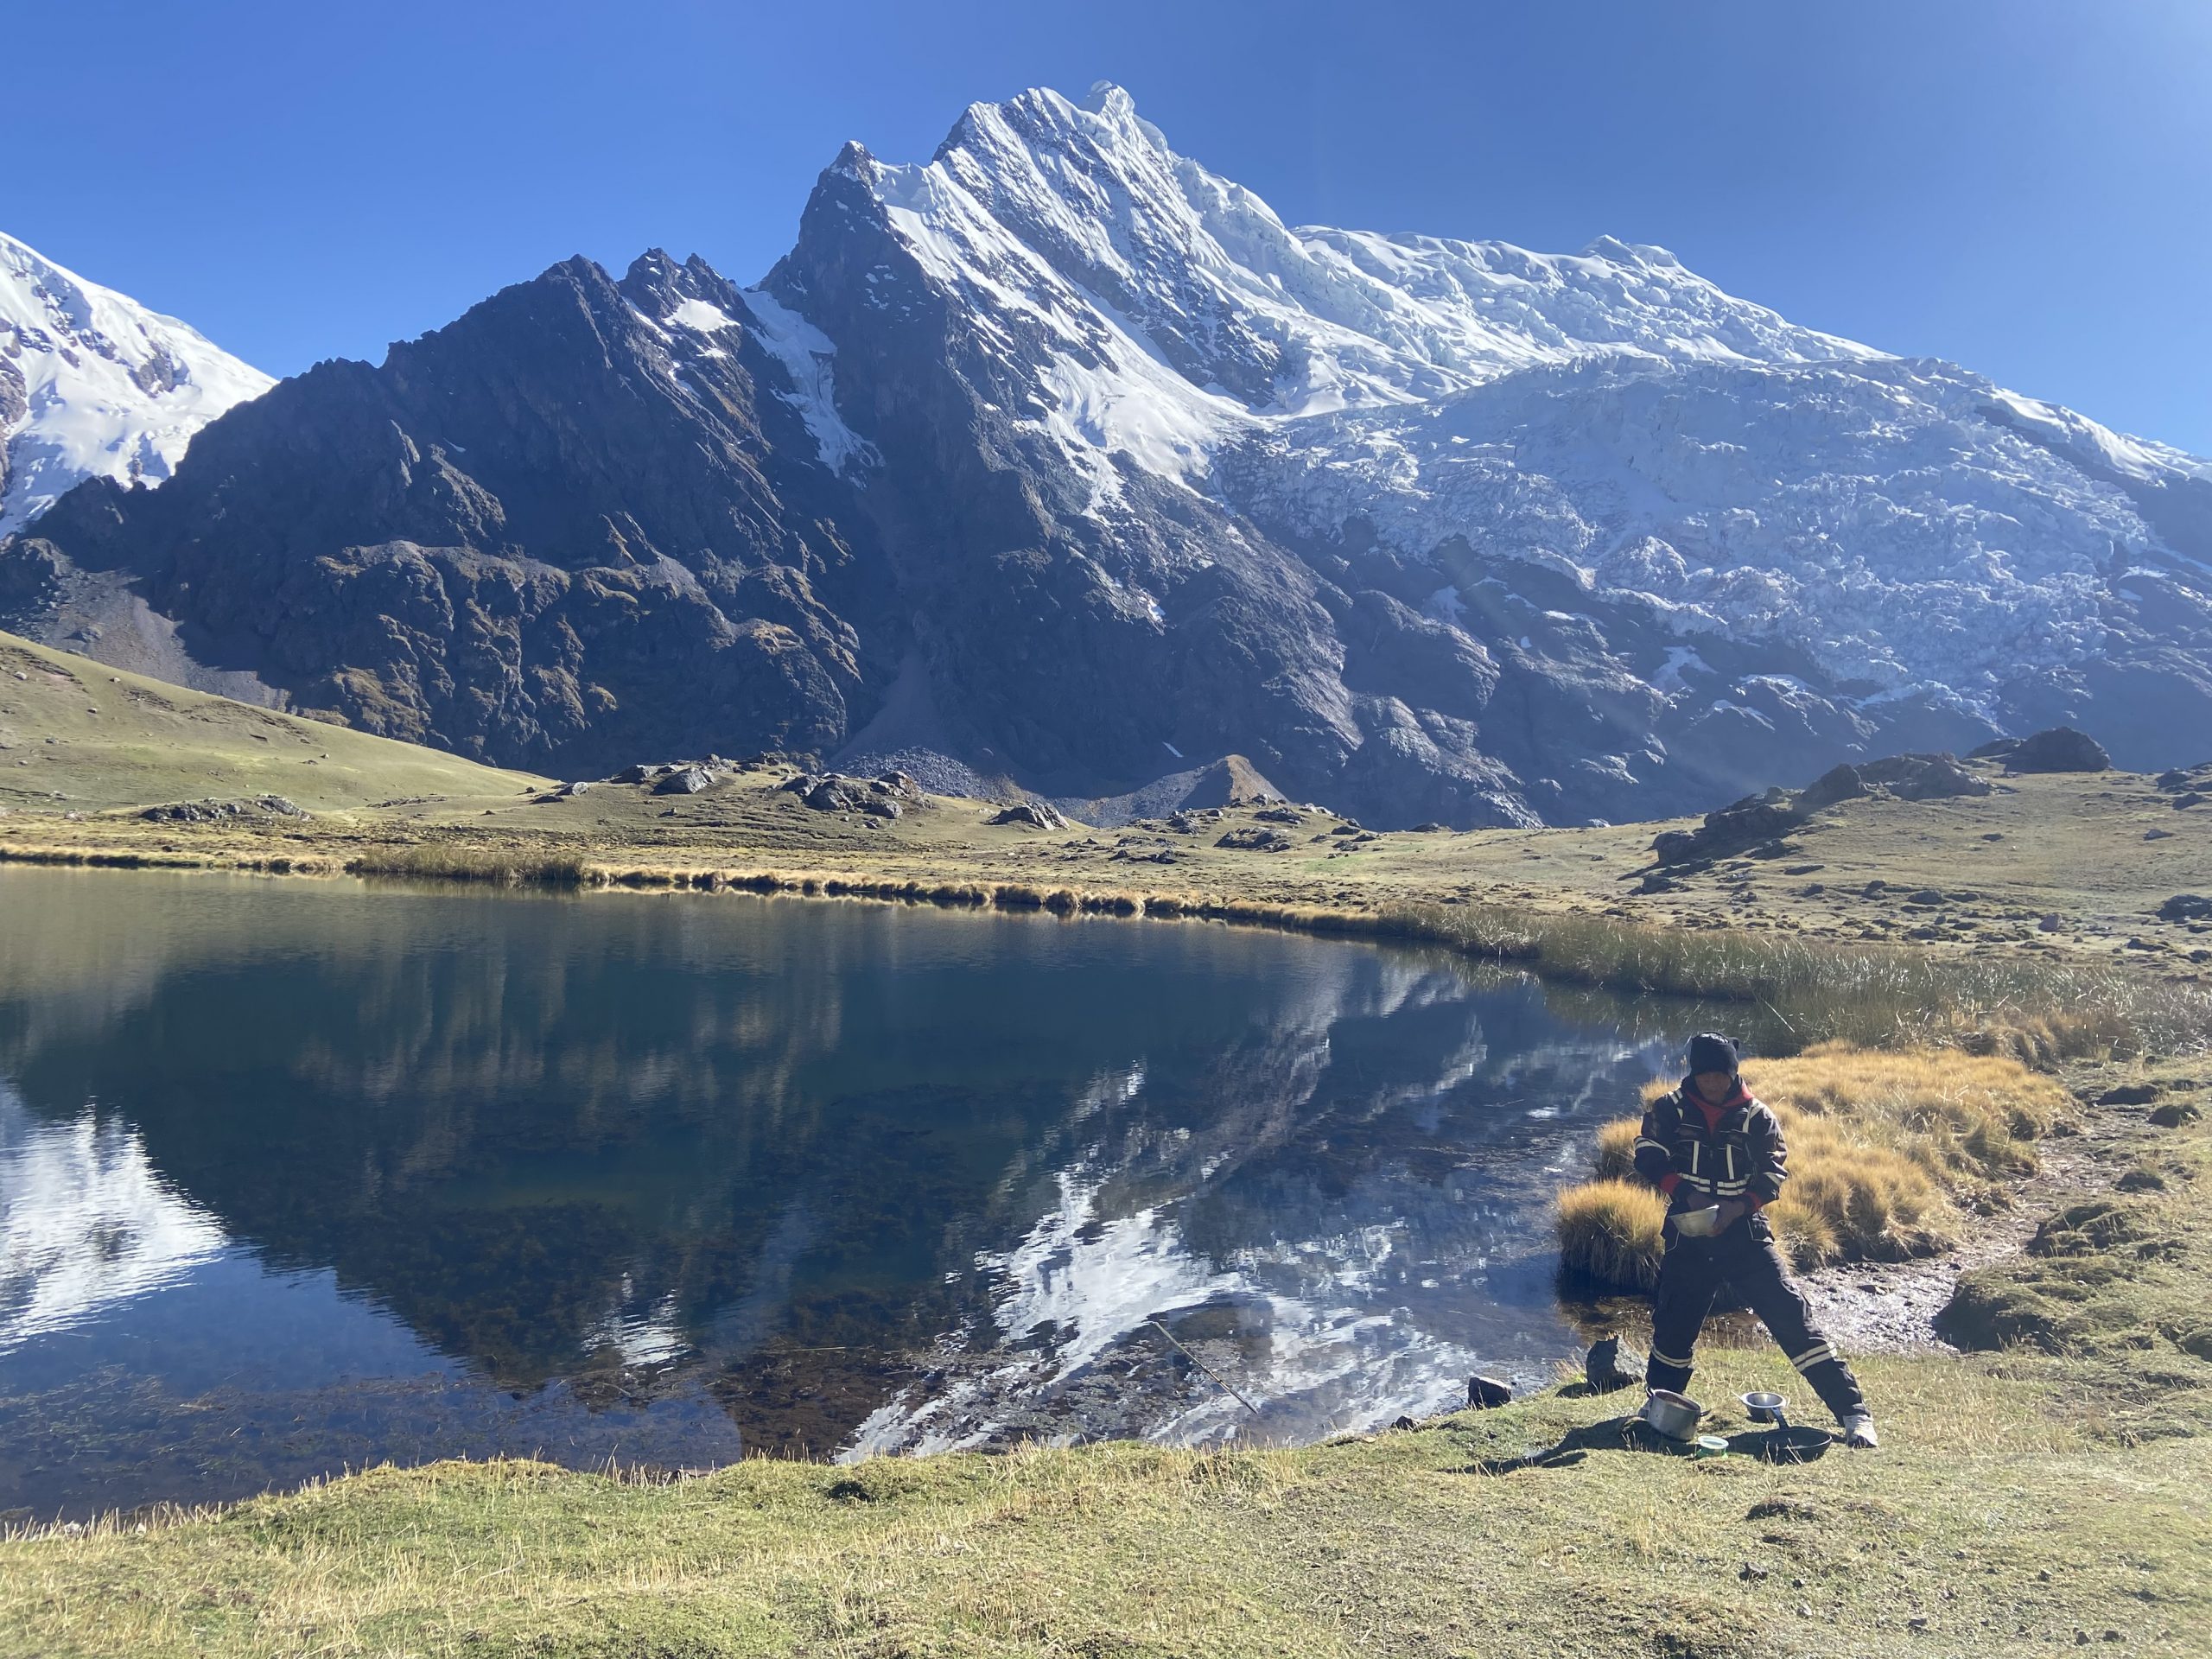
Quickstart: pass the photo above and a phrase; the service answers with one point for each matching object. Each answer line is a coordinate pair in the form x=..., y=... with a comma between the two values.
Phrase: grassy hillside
x=77, y=736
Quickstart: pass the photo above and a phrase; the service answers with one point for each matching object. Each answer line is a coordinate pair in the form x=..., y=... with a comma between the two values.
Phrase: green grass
x=76, y=735
x=1991, y=1518
x=2121, y=1275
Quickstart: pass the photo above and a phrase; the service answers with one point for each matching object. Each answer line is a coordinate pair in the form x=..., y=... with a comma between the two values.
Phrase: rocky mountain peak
x=1057, y=462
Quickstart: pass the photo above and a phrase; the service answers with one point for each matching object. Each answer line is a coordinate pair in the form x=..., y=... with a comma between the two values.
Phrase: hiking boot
x=1859, y=1433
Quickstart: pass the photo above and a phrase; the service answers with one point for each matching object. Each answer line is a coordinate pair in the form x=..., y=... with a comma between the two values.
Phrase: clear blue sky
x=2024, y=186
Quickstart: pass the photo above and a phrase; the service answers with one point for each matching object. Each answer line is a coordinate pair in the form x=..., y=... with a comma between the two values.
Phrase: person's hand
x=1732, y=1212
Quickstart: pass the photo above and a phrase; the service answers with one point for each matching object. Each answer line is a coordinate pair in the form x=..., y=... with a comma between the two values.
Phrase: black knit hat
x=1711, y=1052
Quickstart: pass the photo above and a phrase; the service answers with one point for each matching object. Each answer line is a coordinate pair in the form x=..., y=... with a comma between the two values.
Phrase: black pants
x=1691, y=1275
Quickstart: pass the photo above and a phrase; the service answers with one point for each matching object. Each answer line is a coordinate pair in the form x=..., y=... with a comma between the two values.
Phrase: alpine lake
x=300, y=1176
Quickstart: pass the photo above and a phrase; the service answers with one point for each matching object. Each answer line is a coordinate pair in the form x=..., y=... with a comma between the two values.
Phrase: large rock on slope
x=2060, y=749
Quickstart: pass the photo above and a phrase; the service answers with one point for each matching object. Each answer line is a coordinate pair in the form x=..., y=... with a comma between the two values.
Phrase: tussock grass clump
x=1609, y=1230
x=1883, y=1148
x=1615, y=1157
x=452, y=862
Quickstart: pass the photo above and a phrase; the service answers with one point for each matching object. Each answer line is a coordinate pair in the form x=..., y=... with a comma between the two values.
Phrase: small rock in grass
x=2186, y=907
x=1484, y=1392
x=2157, y=835
x=2174, y=1114
x=1608, y=1366
x=2131, y=1094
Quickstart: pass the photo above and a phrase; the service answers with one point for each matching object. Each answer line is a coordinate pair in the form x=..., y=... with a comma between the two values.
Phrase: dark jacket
x=1698, y=1156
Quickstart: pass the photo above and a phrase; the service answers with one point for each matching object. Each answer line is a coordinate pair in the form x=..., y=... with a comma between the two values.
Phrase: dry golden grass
x=1609, y=1230
x=1615, y=1157
x=1883, y=1148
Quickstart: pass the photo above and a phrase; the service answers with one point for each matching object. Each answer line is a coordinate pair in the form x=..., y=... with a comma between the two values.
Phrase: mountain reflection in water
x=295, y=1175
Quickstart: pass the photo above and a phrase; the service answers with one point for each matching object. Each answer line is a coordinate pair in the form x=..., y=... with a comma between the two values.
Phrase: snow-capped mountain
x=1058, y=461
x=92, y=384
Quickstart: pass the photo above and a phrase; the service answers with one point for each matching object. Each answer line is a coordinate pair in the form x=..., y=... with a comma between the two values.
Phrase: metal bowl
x=1764, y=1406
x=1673, y=1414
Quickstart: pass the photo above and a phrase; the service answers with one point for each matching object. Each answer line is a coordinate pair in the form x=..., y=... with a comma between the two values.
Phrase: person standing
x=1719, y=1155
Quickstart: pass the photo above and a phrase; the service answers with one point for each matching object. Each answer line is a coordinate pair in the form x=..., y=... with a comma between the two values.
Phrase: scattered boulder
x=2172, y=1114
x=1255, y=839
x=2157, y=835
x=1484, y=1393
x=1996, y=749
x=2059, y=749
x=884, y=796
x=1734, y=829
x=215, y=811
x=570, y=790
x=1608, y=1366
x=2186, y=907
x=1758, y=824
x=1034, y=814
x=1843, y=783
x=684, y=780
x=1925, y=777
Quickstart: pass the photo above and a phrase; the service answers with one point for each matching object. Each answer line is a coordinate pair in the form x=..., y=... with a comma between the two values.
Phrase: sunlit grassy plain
x=2028, y=1500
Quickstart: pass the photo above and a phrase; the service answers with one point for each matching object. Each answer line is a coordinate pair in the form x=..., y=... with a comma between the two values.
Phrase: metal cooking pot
x=1673, y=1414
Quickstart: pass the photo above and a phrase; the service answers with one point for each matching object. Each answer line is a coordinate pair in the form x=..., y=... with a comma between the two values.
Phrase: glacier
x=93, y=385
x=1609, y=415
